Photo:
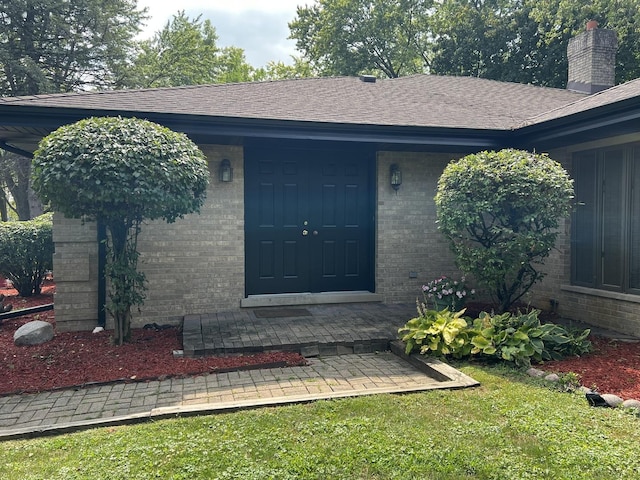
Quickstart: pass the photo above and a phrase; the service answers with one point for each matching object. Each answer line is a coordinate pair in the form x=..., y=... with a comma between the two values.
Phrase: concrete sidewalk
x=324, y=378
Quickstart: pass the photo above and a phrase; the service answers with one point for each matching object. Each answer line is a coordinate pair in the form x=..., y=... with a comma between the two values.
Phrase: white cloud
x=259, y=27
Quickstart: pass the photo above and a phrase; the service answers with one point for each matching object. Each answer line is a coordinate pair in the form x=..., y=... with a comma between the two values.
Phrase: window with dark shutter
x=605, y=239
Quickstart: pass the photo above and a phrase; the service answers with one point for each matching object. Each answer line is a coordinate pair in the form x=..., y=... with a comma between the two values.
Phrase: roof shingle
x=418, y=100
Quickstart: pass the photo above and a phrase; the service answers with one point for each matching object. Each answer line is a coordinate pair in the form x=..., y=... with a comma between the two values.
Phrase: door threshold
x=284, y=299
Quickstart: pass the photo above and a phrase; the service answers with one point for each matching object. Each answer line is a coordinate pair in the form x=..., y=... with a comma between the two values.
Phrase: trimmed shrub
x=26, y=252
x=501, y=212
x=121, y=172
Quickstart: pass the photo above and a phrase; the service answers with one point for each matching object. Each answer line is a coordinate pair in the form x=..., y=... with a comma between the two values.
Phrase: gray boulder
x=552, y=377
x=631, y=403
x=612, y=400
x=534, y=372
x=33, y=333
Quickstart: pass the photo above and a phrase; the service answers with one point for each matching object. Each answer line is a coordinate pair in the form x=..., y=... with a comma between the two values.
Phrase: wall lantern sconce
x=226, y=172
x=395, y=177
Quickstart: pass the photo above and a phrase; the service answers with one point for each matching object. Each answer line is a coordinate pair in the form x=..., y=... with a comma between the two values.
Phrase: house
x=301, y=208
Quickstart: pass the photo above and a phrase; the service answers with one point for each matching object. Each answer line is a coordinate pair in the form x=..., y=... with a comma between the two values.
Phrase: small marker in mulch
x=178, y=353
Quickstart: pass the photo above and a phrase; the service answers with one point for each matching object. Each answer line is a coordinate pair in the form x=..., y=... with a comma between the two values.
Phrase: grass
x=509, y=428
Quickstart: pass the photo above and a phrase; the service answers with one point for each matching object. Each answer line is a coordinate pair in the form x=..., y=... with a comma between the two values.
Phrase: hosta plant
x=521, y=338
x=442, y=332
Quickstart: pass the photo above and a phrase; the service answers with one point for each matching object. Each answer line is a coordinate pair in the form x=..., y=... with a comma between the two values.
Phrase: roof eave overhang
x=204, y=129
x=611, y=120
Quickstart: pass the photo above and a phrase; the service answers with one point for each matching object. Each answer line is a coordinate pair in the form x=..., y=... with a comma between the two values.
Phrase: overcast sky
x=260, y=27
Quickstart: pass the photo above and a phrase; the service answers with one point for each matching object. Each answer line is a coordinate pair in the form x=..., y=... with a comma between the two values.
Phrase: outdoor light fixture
x=226, y=172
x=395, y=177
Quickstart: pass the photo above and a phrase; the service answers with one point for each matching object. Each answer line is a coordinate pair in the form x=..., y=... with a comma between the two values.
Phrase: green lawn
x=510, y=428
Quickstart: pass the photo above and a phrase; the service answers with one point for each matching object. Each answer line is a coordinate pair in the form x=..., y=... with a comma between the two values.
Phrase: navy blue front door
x=308, y=221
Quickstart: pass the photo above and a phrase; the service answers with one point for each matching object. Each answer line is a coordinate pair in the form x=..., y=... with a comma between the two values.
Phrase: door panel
x=308, y=221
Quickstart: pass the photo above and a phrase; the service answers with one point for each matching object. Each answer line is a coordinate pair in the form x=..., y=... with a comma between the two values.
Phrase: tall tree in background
x=185, y=52
x=350, y=37
x=493, y=39
x=14, y=179
x=526, y=41
x=279, y=70
x=521, y=41
x=53, y=46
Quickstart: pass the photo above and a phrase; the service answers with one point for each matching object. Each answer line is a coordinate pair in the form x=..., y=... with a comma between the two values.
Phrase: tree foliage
x=493, y=39
x=26, y=253
x=185, y=52
x=500, y=212
x=350, y=37
x=51, y=46
x=521, y=41
x=14, y=183
x=120, y=172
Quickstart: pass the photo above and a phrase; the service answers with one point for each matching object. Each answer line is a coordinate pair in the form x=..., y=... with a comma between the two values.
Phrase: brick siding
x=407, y=236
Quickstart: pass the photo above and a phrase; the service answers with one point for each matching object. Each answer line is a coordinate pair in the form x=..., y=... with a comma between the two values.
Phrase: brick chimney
x=592, y=59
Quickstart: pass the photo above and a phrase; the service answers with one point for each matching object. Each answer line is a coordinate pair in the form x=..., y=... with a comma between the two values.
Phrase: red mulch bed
x=81, y=358
x=613, y=367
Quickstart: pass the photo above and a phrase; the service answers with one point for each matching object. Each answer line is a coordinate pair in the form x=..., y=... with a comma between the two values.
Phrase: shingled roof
x=418, y=100
x=609, y=97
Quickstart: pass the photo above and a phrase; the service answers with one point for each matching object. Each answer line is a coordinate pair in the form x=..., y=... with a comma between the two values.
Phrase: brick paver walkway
x=347, y=347
x=324, y=378
x=323, y=330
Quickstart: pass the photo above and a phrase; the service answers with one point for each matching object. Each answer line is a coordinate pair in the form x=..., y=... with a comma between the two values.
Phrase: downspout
x=102, y=281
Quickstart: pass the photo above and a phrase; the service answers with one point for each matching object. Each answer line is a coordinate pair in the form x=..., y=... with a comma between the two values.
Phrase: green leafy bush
x=26, y=252
x=500, y=212
x=519, y=338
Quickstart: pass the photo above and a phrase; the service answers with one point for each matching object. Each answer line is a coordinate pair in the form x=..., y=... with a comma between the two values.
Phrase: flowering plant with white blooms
x=446, y=292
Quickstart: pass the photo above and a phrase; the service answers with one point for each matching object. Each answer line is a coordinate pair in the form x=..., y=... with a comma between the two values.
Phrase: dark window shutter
x=584, y=220
x=613, y=211
x=634, y=223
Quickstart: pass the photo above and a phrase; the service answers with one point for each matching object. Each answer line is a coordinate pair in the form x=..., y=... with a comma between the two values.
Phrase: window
x=606, y=223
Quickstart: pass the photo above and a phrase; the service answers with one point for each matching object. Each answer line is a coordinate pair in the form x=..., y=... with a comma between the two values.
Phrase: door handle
x=305, y=233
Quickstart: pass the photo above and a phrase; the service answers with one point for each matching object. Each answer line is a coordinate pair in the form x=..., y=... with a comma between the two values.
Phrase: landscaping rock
x=631, y=403
x=534, y=372
x=552, y=377
x=584, y=389
x=33, y=333
x=612, y=400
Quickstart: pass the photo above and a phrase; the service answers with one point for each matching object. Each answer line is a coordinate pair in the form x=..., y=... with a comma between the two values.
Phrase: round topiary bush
x=120, y=172
x=501, y=212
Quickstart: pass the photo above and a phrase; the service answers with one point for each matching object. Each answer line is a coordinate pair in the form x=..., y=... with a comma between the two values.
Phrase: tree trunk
x=4, y=213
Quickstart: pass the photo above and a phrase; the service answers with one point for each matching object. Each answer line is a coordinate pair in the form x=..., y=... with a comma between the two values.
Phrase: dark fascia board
x=610, y=120
x=205, y=127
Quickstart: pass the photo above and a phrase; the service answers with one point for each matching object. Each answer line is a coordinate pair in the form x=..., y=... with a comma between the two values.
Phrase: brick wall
x=406, y=232
x=194, y=265
x=591, y=56
x=75, y=269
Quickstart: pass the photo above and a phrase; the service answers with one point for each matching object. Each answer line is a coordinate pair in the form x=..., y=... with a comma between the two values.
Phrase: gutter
x=5, y=146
